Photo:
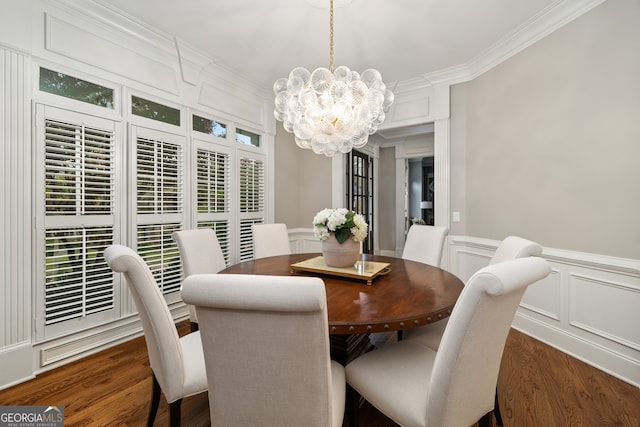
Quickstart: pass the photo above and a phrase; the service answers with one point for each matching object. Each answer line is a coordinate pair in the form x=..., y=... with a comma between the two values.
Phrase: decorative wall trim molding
x=98, y=50
x=16, y=313
x=610, y=296
x=587, y=307
x=62, y=350
x=546, y=22
x=18, y=358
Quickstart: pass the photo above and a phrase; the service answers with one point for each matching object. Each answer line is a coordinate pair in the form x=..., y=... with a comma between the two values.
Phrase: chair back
x=466, y=366
x=161, y=336
x=267, y=337
x=425, y=244
x=200, y=251
x=270, y=240
x=513, y=247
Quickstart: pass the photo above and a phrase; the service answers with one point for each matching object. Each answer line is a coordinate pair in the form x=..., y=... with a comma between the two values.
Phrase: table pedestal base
x=345, y=348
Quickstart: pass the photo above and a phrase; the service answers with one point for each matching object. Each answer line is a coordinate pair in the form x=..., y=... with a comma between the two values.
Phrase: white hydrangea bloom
x=336, y=219
x=359, y=232
x=328, y=221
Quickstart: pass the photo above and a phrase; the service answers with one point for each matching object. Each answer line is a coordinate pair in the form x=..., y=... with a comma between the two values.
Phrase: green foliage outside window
x=210, y=127
x=74, y=88
x=155, y=111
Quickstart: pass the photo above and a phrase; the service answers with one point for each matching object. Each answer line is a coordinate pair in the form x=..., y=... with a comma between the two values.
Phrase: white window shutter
x=79, y=190
x=160, y=207
x=213, y=193
x=251, y=192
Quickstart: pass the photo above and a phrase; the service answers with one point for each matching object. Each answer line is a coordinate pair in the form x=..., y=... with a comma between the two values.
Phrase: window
x=210, y=127
x=159, y=169
x=159, y=187
x=76, y=216
x=78, y=281
x=247, y=138
x=74, y=88
x=213, y=193
x=95, y=188
x=251, y=203
x=154, y=111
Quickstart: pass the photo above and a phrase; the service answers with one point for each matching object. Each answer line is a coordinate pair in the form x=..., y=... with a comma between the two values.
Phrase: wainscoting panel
x=303, y=241
x=89, y=47
x=232, y=102
x=545, y=297
x=467, y=262
x=594, y=303
x=587, y=306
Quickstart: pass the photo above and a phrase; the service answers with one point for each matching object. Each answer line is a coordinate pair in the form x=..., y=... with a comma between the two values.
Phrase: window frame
x=168, y=219
x=126, y=217
x=44, y=221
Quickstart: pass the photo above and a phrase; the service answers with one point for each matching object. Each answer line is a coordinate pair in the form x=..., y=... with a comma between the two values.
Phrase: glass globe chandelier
x=331, y=111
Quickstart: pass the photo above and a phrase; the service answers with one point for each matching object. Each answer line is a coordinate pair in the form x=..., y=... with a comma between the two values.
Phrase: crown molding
x=544, y=23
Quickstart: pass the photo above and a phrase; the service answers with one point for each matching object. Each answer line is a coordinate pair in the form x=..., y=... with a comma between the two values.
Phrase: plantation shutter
x=79, y=202
x=251, y=203
x=160, y=206
x=213, y=193
x=78, y=280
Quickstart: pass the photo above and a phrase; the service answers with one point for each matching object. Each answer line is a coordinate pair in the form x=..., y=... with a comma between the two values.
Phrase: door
x=359, y=192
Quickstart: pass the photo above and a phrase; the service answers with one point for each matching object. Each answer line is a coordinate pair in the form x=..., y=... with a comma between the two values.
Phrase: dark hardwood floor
x=538, y=386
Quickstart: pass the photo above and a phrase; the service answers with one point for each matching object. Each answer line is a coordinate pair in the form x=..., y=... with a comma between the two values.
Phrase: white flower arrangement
x=341, y=222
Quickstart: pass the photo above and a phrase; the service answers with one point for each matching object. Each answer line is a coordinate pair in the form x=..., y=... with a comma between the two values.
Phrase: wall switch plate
x=456, y=216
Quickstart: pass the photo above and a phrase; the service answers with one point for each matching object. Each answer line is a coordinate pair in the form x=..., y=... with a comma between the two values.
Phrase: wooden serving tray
x=317, y=265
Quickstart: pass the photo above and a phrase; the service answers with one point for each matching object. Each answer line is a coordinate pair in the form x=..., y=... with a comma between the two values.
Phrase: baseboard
x=600, y=357
x=17, y=366
x=587, y=307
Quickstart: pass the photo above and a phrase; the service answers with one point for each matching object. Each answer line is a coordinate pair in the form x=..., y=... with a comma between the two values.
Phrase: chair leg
x=353, y=407
x=485, y=421
x=496, y=410
x=155, y=401
x=174, y=413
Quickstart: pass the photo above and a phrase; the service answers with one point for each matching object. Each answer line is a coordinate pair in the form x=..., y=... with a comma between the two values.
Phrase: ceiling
x=434, y=40
x=263, y=40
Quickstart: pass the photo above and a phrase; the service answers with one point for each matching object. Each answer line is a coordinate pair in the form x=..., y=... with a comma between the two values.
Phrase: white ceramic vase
x=340, y=255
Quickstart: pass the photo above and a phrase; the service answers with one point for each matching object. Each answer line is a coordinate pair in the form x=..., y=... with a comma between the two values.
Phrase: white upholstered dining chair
x=417, y=386
x=424, y=244
x=268, y=339
x=270, y=240
x=177, y=364
x=510, y=248
x=200, y=253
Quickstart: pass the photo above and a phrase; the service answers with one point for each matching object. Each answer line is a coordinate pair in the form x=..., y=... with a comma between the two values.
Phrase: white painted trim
x=598, y=356
x=18, y=359
x=605, y=351
x=614, y=349
x=555, y=16
x=442, y=171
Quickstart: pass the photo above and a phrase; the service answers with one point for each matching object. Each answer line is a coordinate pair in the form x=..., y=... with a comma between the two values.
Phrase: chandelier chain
x=331, y=35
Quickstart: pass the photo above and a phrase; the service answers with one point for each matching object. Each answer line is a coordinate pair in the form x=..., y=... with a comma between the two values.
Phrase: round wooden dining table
x=408, y=294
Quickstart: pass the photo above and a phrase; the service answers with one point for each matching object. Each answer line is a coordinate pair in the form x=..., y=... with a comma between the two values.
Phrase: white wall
x=89, y=42
x=550, y=138
x=588, y=307
x=545, y=146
